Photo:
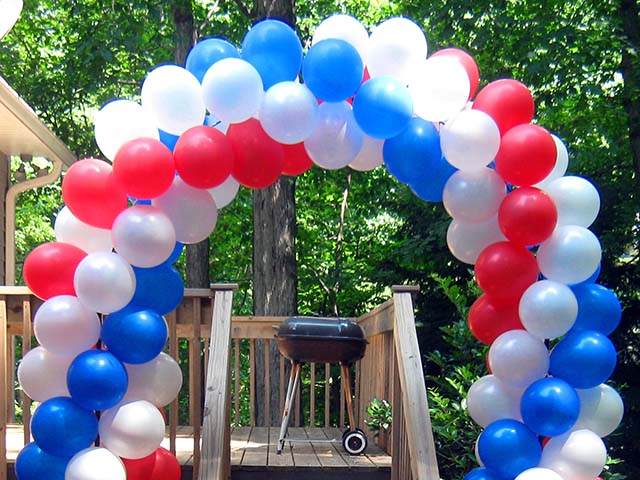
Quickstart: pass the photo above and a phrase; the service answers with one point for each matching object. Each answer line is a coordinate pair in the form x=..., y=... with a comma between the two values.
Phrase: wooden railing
x=204, y=321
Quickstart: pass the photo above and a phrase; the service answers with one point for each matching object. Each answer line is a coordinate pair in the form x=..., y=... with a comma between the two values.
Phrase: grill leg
x=294, y=377
x=346, y=375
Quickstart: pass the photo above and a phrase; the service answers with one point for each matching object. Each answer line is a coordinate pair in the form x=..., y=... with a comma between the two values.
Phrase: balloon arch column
x=235, y=117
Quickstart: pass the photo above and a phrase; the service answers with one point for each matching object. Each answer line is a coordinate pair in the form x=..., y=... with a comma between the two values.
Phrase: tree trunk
x=630, y=67
x=197, y=265
x=275, y=275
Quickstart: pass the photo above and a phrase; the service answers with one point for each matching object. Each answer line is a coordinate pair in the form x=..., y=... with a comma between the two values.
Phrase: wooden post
x=424, y=465
x=215, y=460
x=3, y=388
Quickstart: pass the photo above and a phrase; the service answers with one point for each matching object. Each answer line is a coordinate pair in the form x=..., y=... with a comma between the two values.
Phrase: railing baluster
x=267, y=383
x=312, y=396
x=252, y=382
x=236, y=373
x=26, y=346
x=342, y=380
x=282, y=384
x=195, y=400
x=327, y=395
x=173, y=406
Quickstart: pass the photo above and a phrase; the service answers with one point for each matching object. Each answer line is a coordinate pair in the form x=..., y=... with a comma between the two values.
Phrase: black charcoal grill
x=322, y=340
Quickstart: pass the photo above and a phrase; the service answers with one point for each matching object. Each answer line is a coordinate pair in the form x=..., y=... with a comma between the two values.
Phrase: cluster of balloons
x=234, y=117
x=524, y=225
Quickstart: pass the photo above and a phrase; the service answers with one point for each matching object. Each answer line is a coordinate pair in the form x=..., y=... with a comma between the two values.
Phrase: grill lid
x=320, y=327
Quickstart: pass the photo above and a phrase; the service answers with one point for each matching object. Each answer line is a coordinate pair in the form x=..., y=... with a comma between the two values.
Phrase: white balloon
x=539, y=474
x=232, y=90
x=337, y=138
x=470, y=140
x=473, y=196
x=11, y=10
x=477, y=452
x=601, y=410
x=120, y=121
x=577, y=455
x=68, y=229
x=467, y=240
x=571, y=255
x=518, y=358
x=132, y=430
x=370, y=154
x=158, y=381
x=343, y=27
x=95, y=464
x=576, y=199
x=43, y=375
x=224, y=193
x=396, y=46
x=104, y=282
x=64, y=326
x=173, y=96
x=192, y=211
x=548, y=309
x=289, y=112
x=439, y=88
x=143, y=235
x=560, y=167
x=490, y=399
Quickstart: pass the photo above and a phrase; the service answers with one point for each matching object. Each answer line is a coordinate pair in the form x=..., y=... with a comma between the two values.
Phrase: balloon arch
x=235, y=117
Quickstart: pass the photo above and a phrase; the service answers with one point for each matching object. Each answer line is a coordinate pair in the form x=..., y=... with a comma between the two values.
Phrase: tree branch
x=243, y=8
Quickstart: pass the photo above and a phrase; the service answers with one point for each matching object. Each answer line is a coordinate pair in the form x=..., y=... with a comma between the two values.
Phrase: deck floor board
x=254, y=448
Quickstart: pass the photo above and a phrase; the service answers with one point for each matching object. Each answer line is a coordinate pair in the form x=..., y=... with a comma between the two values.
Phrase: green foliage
x=381, y=416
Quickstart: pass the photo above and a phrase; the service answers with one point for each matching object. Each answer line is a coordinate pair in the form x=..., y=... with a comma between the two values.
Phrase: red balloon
x=140, y=468
x=467, y=62
x=166, y=466
x=527, y=216
x=203, y=157
x=527, y=155
x=505, y=270
x=488, y=318
x=144, y=167
x=92, y=193
x=49, y=269
x=508, y=102
x=296, y=160
x=258, y=159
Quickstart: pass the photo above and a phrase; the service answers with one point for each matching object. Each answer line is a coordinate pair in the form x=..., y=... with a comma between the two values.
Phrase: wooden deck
x=310, y=455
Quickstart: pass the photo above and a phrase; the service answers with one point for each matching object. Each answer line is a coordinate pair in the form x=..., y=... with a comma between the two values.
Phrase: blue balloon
x=550, y=407
x=431, y=187
x=207, y=52
x=583, y=359
x=177, y=251
x=275, y=51
x=62, y=428
x=508, y=448
x=598, y=308
x=97, y=380
x=383, y=107
x=159, y=289
x=134, y=336
x=168, y=139
x=413, y=155
x=481, y=473
x=34, y=464
x=333, y=70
